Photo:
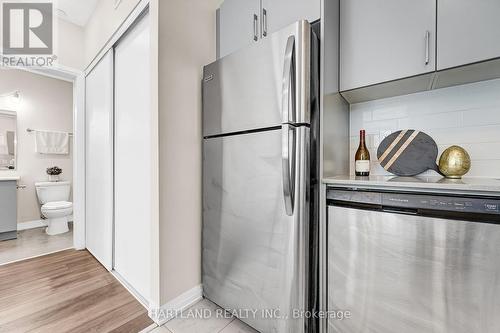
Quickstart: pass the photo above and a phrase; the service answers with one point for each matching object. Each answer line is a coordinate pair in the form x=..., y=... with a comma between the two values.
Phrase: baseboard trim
x=36, y=224
x=31, y=225
x=171, y=309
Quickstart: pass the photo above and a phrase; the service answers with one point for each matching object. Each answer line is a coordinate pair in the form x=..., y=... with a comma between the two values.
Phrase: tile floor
x=213, y=324
x=33, y=242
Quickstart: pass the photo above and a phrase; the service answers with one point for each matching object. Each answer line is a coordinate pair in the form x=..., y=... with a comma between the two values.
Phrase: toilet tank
x=53, y=191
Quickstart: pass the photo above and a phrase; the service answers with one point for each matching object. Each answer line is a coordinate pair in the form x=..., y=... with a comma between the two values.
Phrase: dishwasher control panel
x=431, y=202
x=470, y=205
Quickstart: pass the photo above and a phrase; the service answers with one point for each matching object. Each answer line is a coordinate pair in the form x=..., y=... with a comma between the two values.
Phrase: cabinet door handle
x=427, y=46
x=255, y=27
x=264, y=22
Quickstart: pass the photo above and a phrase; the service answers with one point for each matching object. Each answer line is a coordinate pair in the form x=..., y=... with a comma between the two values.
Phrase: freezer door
x=401, y=273
x=254, y=253
x=262, y=86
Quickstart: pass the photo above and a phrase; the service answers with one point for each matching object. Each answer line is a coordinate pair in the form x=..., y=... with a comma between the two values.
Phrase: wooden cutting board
x=408, y=153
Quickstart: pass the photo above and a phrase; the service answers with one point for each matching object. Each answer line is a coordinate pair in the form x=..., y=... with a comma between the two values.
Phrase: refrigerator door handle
x=288, y=104
x=288, y=165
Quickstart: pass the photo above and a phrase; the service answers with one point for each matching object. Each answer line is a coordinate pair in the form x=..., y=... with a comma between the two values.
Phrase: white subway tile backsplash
x=482, y=117
x=483, y=168
x=479, y=134
x=374, y=127
x=376, y=140
x=390, y=113
x=432, y=121
x=367, y=116
x=482, y=151
x=468, y=116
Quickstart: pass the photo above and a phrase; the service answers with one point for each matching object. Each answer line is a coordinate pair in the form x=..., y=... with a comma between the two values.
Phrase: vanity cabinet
x=468, y=32
x=382, y=41
x=243, y=22
x=8, y=209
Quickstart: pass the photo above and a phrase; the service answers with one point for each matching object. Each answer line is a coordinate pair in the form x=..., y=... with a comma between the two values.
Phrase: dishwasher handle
x=373, y=207
x=405, y=211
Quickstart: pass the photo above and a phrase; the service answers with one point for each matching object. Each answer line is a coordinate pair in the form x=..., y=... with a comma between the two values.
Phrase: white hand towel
x=52, y=142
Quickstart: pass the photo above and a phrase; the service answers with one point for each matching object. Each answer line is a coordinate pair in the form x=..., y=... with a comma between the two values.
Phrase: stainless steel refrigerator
x=260, y=121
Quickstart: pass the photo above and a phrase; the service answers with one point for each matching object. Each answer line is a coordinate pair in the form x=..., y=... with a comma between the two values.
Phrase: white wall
x=70, y=41
x=468, y=116
x=45, y=103
x=187, y=42
x=103, y=23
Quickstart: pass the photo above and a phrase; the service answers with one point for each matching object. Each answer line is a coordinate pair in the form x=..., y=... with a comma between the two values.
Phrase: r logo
x=27, y=28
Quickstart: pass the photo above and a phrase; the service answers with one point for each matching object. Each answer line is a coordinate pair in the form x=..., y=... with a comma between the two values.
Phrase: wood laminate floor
x=34, y=242
x=67, y=291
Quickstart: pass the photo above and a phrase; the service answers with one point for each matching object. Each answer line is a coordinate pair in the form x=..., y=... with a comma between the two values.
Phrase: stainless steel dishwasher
x=407, y=262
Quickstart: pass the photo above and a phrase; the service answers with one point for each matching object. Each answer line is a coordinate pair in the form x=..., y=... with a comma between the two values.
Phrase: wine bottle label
x=362, y=166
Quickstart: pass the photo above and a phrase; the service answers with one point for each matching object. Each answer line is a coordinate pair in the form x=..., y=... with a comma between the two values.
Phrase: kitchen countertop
x=9, y=178
x=485, y=186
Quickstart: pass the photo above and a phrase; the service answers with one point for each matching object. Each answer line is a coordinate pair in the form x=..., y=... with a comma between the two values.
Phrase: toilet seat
x=56, y=208
x=56, y=205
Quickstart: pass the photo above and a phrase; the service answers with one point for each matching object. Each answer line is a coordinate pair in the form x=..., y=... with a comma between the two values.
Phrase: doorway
x=42, y=104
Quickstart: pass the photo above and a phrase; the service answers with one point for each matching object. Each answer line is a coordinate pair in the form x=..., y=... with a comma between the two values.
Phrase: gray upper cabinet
x=385, y=40
x=242, y=22
x=468, y=32
x=277, y=14
x=239, y=25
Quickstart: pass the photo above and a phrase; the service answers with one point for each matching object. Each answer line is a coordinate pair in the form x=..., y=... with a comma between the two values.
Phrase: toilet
x=54, y=198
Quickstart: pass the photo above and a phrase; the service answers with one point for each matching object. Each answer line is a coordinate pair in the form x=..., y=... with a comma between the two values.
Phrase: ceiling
x=76, y=11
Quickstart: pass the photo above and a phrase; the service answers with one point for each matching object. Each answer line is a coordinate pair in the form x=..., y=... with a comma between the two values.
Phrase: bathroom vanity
x=8, y=208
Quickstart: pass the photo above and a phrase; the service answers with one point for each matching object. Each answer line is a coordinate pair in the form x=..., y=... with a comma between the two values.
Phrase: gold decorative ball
x=454, y=162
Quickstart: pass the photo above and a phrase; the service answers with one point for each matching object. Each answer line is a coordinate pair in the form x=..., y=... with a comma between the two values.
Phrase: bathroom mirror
x=8, y=140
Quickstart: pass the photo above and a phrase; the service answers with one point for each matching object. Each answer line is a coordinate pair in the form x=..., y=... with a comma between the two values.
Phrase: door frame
x=77, y=78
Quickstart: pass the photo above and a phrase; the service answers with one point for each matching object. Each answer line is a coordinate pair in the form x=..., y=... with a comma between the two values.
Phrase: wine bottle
x=362, y=157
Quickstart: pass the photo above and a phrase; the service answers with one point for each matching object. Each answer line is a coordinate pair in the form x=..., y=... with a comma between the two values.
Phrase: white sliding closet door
x=99, y=161
x=133, y=154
